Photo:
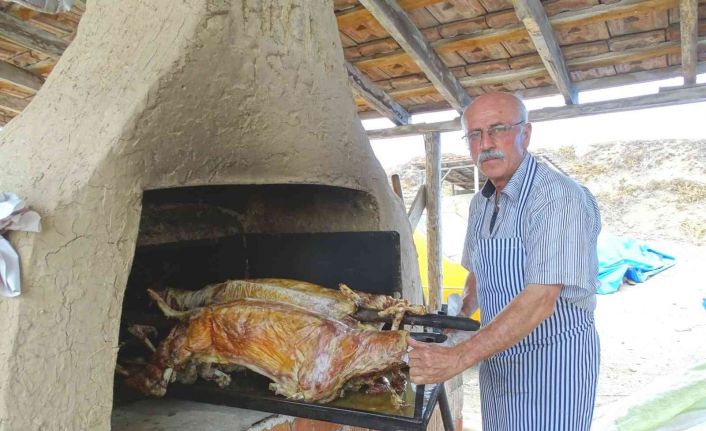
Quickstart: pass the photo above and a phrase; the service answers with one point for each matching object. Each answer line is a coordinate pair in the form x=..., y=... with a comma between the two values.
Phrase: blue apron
x=547, y=381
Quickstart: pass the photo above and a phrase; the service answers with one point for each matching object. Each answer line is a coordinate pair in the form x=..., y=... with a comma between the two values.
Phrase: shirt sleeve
x=560, y=243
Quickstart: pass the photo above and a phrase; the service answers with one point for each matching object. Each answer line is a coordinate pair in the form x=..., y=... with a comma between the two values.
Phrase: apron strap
x=524, y=192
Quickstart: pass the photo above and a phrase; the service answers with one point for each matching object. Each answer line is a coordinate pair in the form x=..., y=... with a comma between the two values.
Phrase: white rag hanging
x=14, y=215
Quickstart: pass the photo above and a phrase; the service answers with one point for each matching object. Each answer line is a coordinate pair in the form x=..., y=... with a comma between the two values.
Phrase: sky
x=678, y=121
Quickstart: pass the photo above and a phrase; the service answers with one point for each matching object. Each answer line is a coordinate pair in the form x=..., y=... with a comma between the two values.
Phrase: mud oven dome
x=150, y=100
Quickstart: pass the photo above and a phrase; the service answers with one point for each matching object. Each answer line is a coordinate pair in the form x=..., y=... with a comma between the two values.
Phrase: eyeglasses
x=474, y=135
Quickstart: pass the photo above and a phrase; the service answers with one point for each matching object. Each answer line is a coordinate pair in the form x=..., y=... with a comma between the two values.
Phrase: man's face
x=497, y=142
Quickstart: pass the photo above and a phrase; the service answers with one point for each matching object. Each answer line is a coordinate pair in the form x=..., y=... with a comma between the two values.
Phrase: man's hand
x=429, y=363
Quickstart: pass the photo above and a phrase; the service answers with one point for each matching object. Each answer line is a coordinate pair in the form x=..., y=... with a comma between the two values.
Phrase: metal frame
x=266, y=401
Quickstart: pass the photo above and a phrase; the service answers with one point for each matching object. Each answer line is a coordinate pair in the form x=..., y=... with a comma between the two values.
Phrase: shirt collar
x=513, y=187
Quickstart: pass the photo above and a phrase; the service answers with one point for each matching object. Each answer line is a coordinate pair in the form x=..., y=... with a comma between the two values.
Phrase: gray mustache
x=490, y=154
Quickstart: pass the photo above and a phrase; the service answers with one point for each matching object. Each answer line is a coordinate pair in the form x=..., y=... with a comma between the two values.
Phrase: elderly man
x=531, y=254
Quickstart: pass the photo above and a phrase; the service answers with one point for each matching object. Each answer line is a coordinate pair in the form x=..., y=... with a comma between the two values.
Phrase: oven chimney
x=158, y=95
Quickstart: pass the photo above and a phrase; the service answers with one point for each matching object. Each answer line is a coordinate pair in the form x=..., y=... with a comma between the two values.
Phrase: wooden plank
x=13, y=75
x=535, y=20
x=432, y=144
x=397, y=185
x=357, y=14
x=415, y=129
x=12, y=104
x=397, y=23
x=612, y=81
x=691, y=94
x=586, y=85
x=30, y=37
x=605, y=59
x=676, y=96
x=689, y=18
x=598, y=13
x=375, y=97
x=418, y=205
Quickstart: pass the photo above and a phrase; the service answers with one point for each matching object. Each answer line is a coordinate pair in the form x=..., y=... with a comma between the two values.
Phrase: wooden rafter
x=602, y=12
x=31, y=37
x=533, y=16
x=676, y=96
x=689, y=17
x=12, y=104
x=587, y=85
x=397, y=23
x=18, y=77
x=605, y=59
x=375, y=97
x=612, y=81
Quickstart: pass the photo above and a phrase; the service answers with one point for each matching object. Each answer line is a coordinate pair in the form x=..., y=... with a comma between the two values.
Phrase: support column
x=432, y=144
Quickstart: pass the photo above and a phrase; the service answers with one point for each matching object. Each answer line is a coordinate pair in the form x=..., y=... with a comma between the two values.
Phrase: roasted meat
x=332, y=303
x=307, y=355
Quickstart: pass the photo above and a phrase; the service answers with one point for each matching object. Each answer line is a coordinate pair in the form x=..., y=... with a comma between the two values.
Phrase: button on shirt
x=561, y=222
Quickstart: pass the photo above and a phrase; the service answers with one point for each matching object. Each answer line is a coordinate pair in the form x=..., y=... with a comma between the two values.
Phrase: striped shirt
x=561, y=223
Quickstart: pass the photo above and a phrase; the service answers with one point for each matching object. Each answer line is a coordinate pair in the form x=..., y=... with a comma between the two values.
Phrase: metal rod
x=445, y=410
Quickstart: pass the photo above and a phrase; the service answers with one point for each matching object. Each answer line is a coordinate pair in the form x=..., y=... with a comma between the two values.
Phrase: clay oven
x=157, y=96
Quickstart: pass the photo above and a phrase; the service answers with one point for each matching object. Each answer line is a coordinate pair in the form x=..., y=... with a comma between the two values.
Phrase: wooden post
x=688, y=25
x=397, y=185
x=432, y=144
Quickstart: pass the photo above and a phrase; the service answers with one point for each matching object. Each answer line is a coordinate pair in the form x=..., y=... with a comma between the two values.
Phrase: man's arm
x=470, y=297
x=434, y=364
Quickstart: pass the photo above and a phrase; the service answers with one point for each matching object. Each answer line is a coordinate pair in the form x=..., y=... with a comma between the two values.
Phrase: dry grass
x=645, y=189
x=688, y=191
x=586, y=171
x=567, y=152
x=695, y=230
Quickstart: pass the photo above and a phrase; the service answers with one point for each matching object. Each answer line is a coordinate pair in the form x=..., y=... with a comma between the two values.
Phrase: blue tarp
x=620, y=258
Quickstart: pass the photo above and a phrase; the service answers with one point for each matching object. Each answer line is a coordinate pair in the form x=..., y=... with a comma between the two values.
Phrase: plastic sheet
x=626, y=258
x=673, y=403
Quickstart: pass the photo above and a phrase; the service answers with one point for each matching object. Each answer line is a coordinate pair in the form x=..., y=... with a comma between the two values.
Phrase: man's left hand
x=429, y=363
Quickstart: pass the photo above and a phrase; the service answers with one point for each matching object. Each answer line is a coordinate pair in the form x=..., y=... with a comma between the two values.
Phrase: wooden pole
x=688, y=25
x=432, y=144
x=397, y=185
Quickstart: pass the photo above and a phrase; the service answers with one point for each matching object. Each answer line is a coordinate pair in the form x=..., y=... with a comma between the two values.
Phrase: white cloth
x=14, y=215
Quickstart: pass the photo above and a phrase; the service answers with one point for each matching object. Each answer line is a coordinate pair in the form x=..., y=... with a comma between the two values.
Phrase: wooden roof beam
x=375, y=97
x=535, y=20
x=612, y=81
x=587, y=85
x=689, y=17
x=30, y=37
x=12, y=104
x=675, y=96
x=585, y=16
x=605, y=59
x=397, y=23
x=18, y=77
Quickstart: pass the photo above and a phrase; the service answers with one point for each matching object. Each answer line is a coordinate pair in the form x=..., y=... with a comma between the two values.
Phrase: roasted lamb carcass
x=336, y=304
x=308, y=356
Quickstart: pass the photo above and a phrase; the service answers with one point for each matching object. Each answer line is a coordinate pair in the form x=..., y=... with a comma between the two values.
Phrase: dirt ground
x=654, y=192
